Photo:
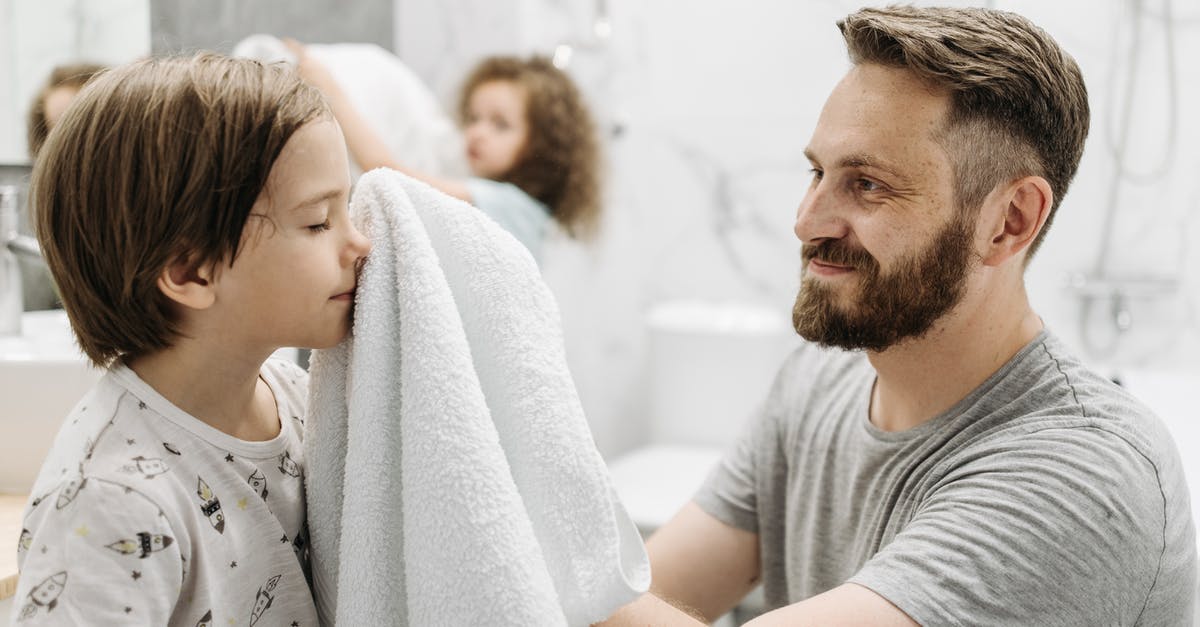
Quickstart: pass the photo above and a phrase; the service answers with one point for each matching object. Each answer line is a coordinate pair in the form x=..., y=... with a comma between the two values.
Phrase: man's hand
x=650, y=610
x=698, y=563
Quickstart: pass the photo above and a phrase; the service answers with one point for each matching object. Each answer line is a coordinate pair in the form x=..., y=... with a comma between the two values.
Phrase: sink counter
x=11, y=508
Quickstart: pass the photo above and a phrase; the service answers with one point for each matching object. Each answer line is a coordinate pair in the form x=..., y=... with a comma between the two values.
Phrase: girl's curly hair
x=559, y=165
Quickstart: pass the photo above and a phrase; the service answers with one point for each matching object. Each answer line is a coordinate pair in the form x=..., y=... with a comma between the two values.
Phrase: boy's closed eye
x=317, y=228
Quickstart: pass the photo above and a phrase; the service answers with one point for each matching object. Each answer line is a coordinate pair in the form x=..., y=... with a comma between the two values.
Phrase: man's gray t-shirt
x=1047, y=496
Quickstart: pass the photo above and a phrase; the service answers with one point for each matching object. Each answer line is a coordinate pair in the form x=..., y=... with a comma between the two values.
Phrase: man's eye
x=317, y=228
x=867, y=185
x=816, y=173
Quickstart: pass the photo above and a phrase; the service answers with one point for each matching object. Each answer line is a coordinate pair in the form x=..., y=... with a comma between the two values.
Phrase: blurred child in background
x=51, y=101
x=530, y=141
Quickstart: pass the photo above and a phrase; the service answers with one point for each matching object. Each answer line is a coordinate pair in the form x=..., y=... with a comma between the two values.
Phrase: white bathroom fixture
x=710, y=367
x=42, y=375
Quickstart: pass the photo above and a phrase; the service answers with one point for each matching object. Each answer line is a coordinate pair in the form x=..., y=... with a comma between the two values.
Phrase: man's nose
x=818, y=216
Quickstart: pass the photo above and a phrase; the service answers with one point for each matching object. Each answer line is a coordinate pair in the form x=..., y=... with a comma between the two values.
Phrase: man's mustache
x=837, y=252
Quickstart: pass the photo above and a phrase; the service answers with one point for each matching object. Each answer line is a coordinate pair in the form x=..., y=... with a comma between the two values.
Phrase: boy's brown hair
x=559, y=166
x=72, y=76
x=1018, y=104
x=156, y=163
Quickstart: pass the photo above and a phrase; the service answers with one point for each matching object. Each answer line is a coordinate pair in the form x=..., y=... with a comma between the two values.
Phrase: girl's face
x=495, y=128
x=55, y=103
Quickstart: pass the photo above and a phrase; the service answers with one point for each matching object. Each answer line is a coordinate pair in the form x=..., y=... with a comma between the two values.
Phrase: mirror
x=37, y=35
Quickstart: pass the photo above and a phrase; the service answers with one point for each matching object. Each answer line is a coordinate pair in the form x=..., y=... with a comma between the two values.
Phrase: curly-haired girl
x=530, y=141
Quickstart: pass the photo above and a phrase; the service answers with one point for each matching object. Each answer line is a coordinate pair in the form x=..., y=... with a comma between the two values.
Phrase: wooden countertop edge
x=11, y=508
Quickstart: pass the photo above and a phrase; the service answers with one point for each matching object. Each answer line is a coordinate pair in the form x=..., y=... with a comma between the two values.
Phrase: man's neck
x=217, y=387
x=919, y=379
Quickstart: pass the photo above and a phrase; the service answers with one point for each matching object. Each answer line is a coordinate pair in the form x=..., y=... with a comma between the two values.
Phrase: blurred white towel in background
x=396, y=103
x=452, y=478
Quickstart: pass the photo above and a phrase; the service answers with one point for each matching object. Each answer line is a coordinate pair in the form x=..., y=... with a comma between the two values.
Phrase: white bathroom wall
x=1157, y=201
x=707, y=106
x=36, y=35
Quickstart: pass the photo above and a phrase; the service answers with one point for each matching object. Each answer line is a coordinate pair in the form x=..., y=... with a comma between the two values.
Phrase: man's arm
x=702, y=564
x=702, y=568
x=847, y=604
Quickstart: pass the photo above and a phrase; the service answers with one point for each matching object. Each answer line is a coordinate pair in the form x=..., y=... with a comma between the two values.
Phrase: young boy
x=194, y=215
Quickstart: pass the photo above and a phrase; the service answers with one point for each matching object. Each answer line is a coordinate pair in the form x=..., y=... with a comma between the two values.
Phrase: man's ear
x=1025, y=206
x=188, y=283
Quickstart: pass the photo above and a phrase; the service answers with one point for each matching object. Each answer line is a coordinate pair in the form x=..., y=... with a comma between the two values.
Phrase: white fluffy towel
x=452, y=478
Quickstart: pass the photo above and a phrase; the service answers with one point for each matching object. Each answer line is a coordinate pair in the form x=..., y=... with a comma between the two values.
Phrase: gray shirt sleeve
x=1032, y=532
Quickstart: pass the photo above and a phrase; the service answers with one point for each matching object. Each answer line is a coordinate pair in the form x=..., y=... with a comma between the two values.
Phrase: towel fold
x=389, y=96
x=452, y=477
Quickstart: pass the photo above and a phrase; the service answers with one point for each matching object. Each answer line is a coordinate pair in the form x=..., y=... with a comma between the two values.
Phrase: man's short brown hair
x=156, y=163
x=1018, y=103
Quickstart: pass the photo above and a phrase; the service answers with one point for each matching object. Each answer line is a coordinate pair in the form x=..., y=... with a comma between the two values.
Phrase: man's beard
x=886, y=309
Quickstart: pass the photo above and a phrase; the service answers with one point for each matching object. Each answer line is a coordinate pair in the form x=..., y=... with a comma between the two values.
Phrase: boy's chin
x=330, y=341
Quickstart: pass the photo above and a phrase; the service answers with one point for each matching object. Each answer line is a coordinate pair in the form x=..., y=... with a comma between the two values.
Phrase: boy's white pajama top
x=144, y=515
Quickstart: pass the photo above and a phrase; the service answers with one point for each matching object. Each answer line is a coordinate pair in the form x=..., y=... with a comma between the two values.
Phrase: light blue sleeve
x=514, y=210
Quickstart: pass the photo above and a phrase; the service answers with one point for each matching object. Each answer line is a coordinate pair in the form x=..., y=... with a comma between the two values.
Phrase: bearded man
x=934, y=455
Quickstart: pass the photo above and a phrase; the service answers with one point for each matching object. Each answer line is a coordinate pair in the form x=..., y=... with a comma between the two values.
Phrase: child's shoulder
x=88, y=428
x=115, y=436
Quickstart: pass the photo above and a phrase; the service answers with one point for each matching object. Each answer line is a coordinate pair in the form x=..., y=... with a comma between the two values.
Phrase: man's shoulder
x=1054, y=388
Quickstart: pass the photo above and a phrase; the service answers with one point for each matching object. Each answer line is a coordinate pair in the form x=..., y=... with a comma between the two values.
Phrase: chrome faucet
x=12, y=244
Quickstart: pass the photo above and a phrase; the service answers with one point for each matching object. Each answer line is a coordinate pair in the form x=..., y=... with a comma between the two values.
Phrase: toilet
x=710, y=366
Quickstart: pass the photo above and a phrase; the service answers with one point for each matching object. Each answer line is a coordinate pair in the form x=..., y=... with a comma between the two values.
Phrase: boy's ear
x=1026, y=206
x=188, y=283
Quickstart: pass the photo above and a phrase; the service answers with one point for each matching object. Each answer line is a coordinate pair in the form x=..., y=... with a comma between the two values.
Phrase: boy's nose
x=360, y=245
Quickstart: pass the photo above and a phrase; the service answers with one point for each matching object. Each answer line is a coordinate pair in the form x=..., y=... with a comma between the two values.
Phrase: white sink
x=42, y=375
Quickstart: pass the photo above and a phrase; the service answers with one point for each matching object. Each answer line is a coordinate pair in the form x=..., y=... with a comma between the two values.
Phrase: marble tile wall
x=707, y=106
x=36, y=35
x=221, y=24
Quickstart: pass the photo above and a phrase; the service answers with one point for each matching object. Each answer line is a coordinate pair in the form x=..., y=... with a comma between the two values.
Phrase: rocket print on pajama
x=45, y=595
x=210, y=506
x=262, y=602
x=68, y=492
x=287, y=466
x=145, y=515
x=148, y=468
x=258, y=482
x=145, y=544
